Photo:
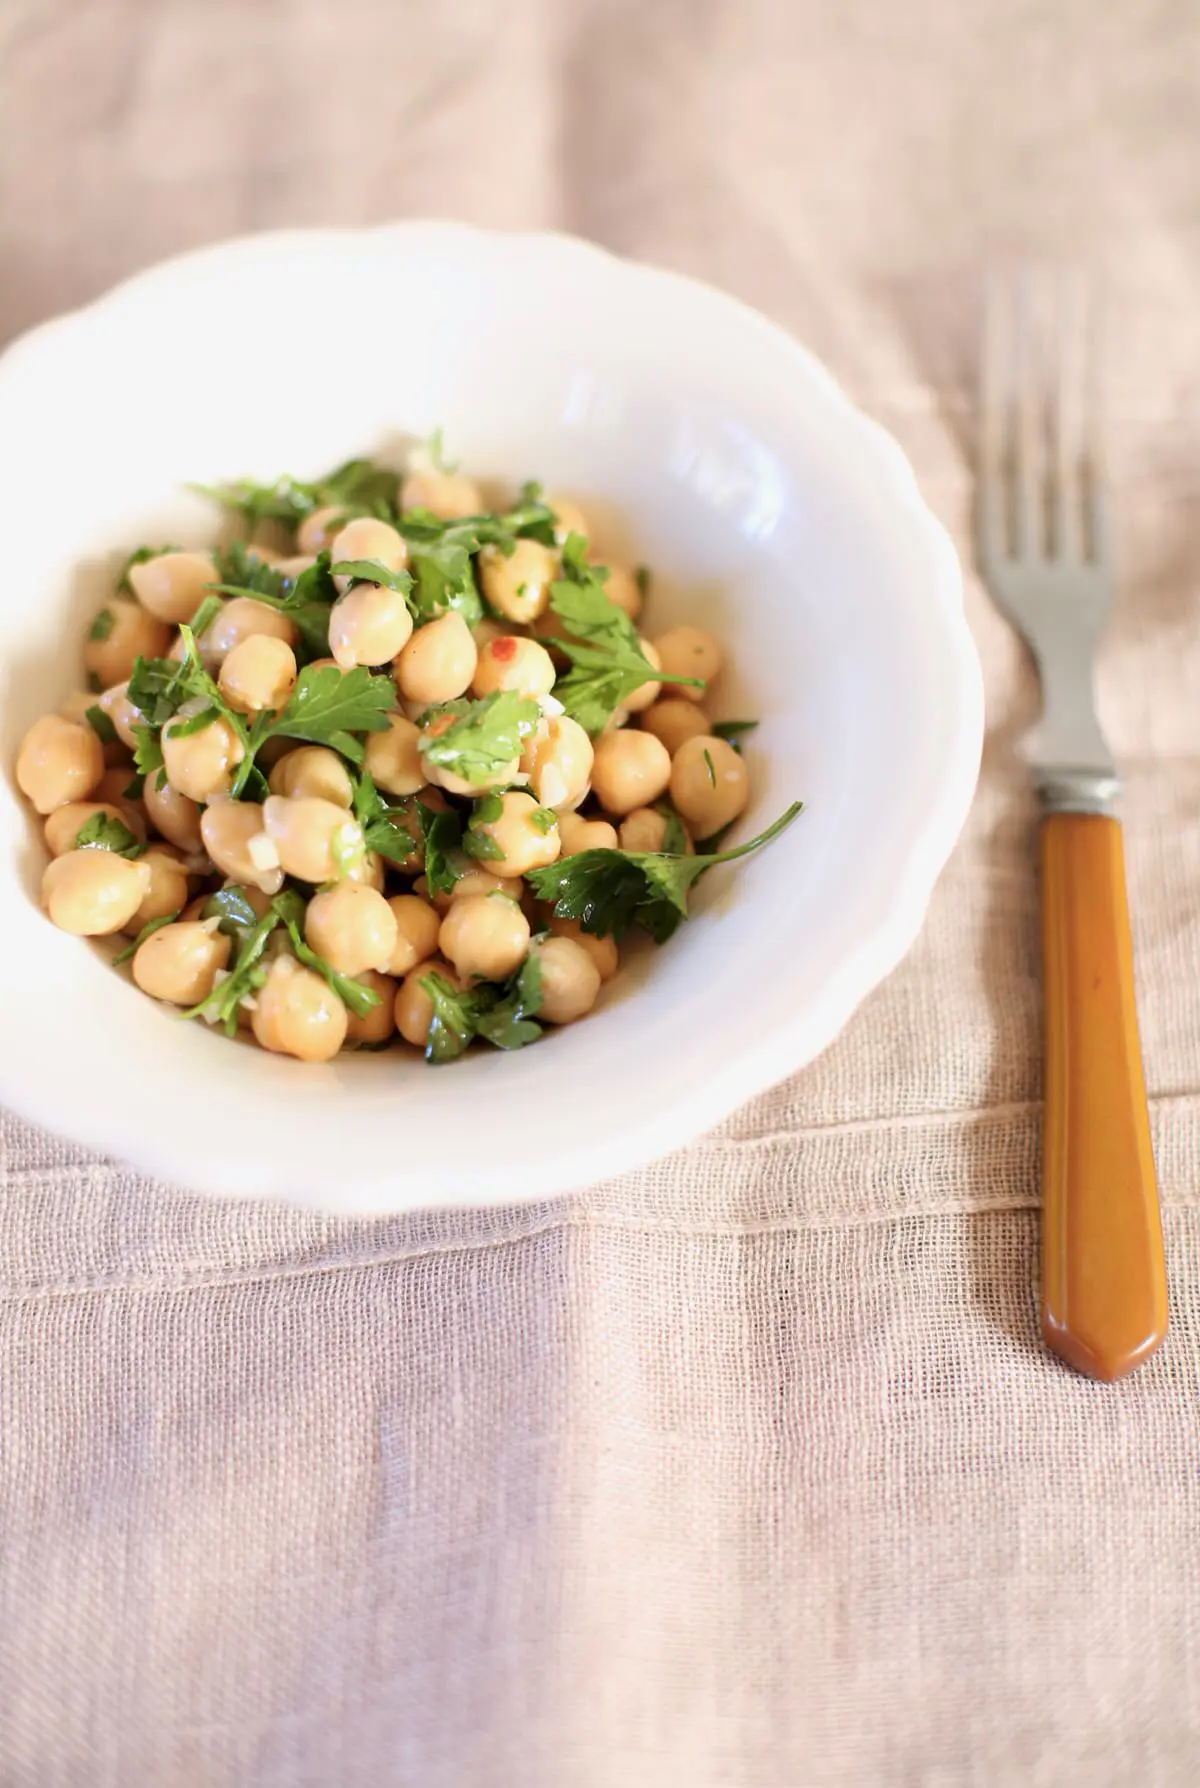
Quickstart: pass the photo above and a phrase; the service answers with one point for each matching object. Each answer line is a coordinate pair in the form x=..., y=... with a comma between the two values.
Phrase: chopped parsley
x=306, y=600
x=102, y=832
x=500, y=1013
x=607, y=662
x=248, y=971
x=103, y=622
x=100, y=724
x=733, y=731
x=484, y=737
x=443, y=841
x=708, y=765
x=476, y=842
x=606, y=890
x=358, y=487
x=148, y=930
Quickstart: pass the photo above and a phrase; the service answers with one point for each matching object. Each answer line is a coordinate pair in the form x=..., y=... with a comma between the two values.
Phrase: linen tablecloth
x=747, y=1469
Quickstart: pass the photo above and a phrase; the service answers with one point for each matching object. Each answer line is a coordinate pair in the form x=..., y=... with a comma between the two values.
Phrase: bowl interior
x=716, y=454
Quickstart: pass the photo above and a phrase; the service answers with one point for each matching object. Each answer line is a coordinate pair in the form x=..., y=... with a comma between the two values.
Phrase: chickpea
x=367, y=870
x=393, y=759
x=673, y=720
x=458, y=785
x=65, y=824
x=485, y=631
x=520, y=665
x=602, y=950
x=646, y=693
x=120, y=633
x=295, y=566
x=380, y=1022
x=368, y=625
x=570, y=980
x=352, y=927
x=318, y=528
x=642, y=830
x=173, y=585
x=59, y=761
x=518, y=587
x=313, y=771
x=520, y=838
x=234, y=835
x=172, y=814
x=569, y=518
x=558, y=761
x=414, y=1008
x=167, y=891
x=485, y=936
x=317, y=840
x=179, y=962
x=585, y=834
x=621, y=586
x=709, y=784
x=689, y=652
x=630, y=769
x=367, y=538
x=242, y=618
x=416, y=932
x=259, y=673
x=201, y=765
x=93, y=892
x=447, y=495
x=475, y=881
x=297, y=1013
x=438, y=662
x=120, y=710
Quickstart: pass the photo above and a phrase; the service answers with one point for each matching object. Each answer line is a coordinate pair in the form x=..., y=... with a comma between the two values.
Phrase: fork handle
x=1104, y=1283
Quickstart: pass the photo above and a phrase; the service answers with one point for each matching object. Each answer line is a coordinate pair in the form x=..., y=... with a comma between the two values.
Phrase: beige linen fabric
x=746, y=1470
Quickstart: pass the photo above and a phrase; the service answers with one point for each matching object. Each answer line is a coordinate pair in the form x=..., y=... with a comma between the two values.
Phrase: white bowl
x=772, y=510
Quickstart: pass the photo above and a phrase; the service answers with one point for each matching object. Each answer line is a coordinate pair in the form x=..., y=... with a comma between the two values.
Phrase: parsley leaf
x=245, y=976
x=103, y=622
x=442, y=835
x=509, y=1023
x=373, y=571
x=327, y=706
x=233, y=908
x=500, y=1014
x=393, y=832
x=607, y=890
x=248, y=972
x=441, y=552
x=483, y=737
x=100, y=724
x=359, y=486
x=708, y=765
x=479, y=844
x=306, y=601
x=732, y=731
x=607, y=662
x=148, y=930
x=453, y=1023
x=104, y=833
x=674, y=842
x=354, y=996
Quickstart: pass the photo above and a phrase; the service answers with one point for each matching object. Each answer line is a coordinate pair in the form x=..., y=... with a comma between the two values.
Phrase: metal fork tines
x=1043, y=520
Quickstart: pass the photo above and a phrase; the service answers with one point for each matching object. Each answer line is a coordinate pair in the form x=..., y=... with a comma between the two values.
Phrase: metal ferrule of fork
x=1078, y=791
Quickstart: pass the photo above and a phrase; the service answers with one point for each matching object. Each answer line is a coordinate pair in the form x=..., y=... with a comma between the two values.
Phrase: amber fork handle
x=1104, y=1285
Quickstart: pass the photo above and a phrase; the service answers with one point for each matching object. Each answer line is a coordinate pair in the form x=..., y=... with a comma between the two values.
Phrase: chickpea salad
x=390, y=764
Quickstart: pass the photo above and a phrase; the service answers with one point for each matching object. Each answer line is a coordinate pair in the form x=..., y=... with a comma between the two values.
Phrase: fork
x=1046, y=556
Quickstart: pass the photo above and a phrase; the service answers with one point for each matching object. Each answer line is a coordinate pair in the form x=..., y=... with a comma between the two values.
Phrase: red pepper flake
x=504, y=648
